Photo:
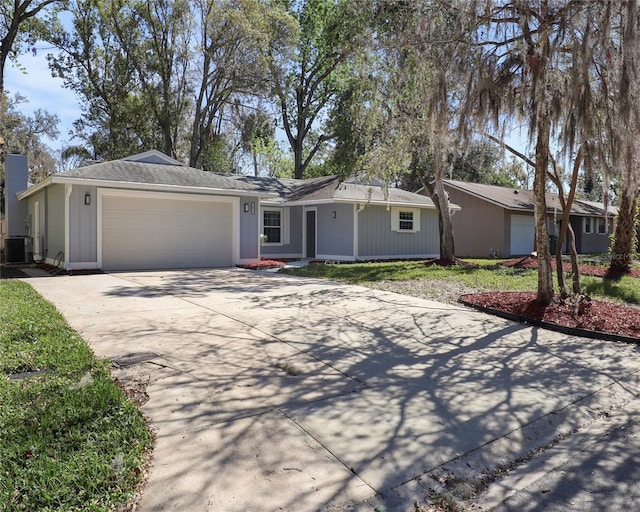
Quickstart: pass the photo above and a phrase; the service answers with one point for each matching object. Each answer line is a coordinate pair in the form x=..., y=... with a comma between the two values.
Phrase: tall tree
x=407, y=102
x=232, y=36
x=20, y=27
x=160, y=59
x=95, y=64
x=618, y=77
x=307, y=81
x=530, y=48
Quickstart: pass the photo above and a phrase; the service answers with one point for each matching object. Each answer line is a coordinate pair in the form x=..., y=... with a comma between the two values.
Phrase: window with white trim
x=275, y=226
x=405, y=220
x=593, y=225
x=272, y=226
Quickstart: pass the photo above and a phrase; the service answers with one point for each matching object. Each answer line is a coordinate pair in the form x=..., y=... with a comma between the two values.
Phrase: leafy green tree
x=160, y=56
x=21, y=24
x=617, y=68
x=231, y=38
x=95, y=63
x=307, y=82
x=534, y=56
x=257, y=134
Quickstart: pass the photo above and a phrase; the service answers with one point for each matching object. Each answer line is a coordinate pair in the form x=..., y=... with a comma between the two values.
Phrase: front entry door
x=311, y=234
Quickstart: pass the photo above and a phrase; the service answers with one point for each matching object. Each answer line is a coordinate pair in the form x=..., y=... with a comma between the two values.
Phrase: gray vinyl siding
x=334, y=237
x=249, y=228
x=39, y=198
x=294, y=247
x=55, y=222
x=594, y=243
x=83, y=243
x=376, y=240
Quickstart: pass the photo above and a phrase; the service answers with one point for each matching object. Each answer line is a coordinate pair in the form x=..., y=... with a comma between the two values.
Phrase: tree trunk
x=624, y=242
x=566, y=230
x=577, y=287
x=545, y=275
x=439, y=198
x=254, y=153
x=441, y=201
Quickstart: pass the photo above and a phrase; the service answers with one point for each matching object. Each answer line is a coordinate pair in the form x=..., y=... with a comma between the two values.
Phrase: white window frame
x=285, y=223
x=396, y=221
x=587, y=226
x=601, y=222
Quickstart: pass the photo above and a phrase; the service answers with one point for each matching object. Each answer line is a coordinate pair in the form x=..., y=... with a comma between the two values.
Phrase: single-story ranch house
x=498, y=221
x=149, y=211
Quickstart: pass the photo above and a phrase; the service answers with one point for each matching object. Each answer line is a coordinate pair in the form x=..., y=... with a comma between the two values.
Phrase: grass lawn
x=487, y=276
x=69, y=437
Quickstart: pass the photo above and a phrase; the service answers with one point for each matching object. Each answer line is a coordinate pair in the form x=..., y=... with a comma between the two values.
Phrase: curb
x=574, y=331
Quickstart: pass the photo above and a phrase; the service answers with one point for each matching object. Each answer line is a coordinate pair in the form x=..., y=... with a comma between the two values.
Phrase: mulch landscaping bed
x=263, y=264
x=599, y=318
x=529, y=262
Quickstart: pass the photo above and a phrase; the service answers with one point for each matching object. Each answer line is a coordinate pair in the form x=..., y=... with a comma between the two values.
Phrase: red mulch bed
x=530, y=262
x=263, y=264
x=589, y=315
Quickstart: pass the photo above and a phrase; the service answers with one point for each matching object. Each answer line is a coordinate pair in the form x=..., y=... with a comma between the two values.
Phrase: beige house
x=498, y=221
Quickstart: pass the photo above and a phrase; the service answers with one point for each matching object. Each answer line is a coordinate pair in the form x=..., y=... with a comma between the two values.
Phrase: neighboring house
x=498, y=221
x=149, y=211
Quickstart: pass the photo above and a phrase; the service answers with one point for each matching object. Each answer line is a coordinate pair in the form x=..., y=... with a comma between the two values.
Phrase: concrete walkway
x=270, y=392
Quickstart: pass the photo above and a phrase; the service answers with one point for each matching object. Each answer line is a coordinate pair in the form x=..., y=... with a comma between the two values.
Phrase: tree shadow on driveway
x=391, y=391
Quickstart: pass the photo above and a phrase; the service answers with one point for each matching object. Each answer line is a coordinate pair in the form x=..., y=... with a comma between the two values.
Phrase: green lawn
x=488, y=275
x=69, y=438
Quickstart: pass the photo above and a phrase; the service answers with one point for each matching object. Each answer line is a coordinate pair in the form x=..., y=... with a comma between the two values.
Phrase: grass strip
x=69, y=437
x=486, y=275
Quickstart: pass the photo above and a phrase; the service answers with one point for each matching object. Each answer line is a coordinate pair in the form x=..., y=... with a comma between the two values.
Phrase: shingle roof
x=155, y=169
x=516, y=199
x=330, y=188
x=126, y=171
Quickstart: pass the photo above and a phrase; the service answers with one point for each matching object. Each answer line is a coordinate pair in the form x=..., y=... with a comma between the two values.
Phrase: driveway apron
x=270, y=392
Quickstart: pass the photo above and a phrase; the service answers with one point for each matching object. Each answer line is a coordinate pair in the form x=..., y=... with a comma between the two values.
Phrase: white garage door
x=522, y=235
x=155, y=233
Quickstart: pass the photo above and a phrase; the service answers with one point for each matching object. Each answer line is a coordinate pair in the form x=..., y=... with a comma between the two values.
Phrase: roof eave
x=406, y=204
x=143, y=186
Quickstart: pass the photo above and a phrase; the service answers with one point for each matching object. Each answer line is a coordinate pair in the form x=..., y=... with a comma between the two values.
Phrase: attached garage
x=143, y=230
x=522, y=235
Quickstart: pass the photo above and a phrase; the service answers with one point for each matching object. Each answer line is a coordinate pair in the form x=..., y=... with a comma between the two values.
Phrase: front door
x=311, y=234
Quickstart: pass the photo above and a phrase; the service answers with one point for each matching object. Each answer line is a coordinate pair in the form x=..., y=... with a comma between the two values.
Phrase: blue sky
x=44, y=92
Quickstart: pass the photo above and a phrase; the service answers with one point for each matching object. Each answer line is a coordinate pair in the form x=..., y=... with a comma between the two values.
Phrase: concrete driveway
x=270, y=392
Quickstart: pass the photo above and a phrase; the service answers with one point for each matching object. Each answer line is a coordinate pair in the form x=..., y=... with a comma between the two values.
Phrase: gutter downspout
x=67, y=224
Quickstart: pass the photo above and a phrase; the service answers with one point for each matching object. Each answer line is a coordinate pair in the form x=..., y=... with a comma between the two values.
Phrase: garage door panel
x=522, y=234
x=153, y=233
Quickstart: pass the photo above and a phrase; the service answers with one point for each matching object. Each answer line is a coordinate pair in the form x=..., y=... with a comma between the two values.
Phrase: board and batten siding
x=83, y=240
x=249, y=229
x=55, y=223
x=376, y=240
x=334, y=234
